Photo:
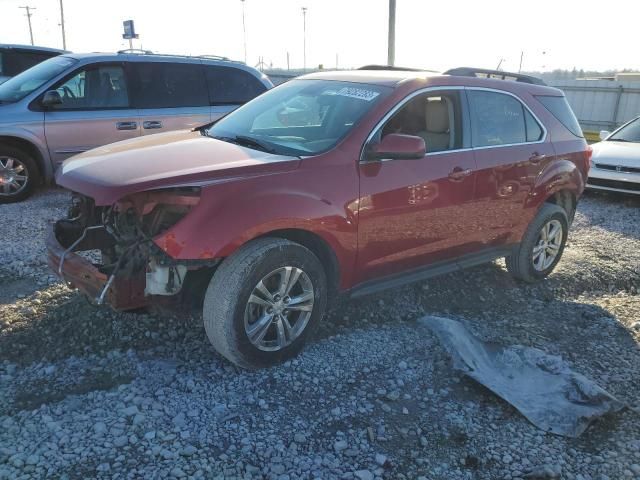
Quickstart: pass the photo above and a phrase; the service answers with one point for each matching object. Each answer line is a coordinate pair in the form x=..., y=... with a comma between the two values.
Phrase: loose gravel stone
x=88, y=392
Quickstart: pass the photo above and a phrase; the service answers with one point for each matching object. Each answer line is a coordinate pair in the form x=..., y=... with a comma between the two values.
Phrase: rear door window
x=102, y=86
x=231, y=86
x=500, y=119
x=169, y=85
x=559, y=108
x=12, y=62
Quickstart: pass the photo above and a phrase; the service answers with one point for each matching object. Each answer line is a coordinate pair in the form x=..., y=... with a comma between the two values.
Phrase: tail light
x=588, y=153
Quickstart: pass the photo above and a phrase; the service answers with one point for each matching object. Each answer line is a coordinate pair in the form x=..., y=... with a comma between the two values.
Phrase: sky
x=432, y=34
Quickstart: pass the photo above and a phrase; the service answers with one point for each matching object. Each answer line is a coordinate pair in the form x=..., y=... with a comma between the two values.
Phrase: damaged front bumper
x=120, y=291
x=110, y=254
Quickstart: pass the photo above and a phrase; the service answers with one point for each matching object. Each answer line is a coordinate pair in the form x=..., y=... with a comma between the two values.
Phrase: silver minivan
x=75, y=102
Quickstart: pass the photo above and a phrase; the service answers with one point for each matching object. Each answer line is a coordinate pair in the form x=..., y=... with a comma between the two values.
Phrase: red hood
x=108, y=173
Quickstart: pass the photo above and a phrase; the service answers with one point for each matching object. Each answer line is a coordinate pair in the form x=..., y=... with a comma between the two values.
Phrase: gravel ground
x=89, y=393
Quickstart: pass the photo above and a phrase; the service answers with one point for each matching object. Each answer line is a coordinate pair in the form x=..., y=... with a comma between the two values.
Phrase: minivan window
x=13, y=62
x=18, y=87
x=300, y=117
x=169, y=85
x=559, y=108
x=500, y=119
x=231, y=86
x=95, y=87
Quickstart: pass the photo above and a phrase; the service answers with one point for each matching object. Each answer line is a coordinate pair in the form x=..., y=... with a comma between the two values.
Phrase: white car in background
x=615, y=164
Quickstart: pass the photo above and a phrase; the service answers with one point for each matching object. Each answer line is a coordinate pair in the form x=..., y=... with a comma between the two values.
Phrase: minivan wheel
x=542, y=245
x=18, y=175
x=264, y=301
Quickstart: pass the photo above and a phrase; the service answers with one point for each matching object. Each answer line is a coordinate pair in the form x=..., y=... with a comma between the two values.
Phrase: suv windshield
x=301, y=117
x=23, y=84
x=628, y=133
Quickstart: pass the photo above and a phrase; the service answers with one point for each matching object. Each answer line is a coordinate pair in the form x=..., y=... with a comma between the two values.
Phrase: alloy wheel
x=548, y=245
x=279, y=309
x=13, y=176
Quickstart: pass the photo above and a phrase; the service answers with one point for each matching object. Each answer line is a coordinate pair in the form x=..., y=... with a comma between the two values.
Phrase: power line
x=28, y=10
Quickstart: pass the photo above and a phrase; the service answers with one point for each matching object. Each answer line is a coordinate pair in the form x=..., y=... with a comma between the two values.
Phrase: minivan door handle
x=458, y=173
x=537, y=157
x=149, y=124
x=126, y=125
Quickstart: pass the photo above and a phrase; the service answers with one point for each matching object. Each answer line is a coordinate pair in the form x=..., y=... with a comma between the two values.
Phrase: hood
x=163, y=160
x=624, y=154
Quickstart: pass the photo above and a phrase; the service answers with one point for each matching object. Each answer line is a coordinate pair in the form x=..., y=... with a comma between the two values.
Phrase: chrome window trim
x=412, y=95
x=493, y=90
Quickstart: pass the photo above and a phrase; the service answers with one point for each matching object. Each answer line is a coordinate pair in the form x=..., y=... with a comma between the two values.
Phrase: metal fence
x=601, y=104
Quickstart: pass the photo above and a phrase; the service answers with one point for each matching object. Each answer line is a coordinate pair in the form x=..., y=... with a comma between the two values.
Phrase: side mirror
x=51, y=98
x=604, y=134
x=398, y=146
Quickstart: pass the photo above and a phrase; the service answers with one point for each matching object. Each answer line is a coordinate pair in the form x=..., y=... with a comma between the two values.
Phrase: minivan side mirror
x=51, y=98
x=604, y=134
x=399, y=147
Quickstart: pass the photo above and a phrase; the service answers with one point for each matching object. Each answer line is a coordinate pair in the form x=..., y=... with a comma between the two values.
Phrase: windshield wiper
x=248, y=142
x=620, y=140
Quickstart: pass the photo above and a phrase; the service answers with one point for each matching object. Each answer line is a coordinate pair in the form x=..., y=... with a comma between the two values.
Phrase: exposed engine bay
x=134, y=267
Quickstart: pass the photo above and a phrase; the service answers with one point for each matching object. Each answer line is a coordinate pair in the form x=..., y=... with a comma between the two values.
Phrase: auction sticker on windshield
x=360, y=93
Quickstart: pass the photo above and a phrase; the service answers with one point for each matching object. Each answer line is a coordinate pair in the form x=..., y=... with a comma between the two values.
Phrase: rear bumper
x=124, y=293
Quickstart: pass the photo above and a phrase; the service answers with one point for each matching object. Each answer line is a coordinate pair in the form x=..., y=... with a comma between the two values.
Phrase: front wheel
x=264, y=301
x=19, y=175
x=542, y=245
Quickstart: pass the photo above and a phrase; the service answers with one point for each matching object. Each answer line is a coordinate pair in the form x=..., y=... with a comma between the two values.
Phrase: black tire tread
x=221, y=298
x=519, y=263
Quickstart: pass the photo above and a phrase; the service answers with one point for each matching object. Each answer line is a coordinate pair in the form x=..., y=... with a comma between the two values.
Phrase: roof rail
x=214, y=57
x=496, y=74
x=138, y=51
x=390, y=67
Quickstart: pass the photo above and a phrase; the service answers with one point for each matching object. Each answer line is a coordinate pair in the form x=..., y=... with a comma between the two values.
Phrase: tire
x=15, y=163
x=230, y=317
x=522, y=264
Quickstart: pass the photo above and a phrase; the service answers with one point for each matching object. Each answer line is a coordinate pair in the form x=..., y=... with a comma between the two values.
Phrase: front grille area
x=599, y=182
x=616, y=168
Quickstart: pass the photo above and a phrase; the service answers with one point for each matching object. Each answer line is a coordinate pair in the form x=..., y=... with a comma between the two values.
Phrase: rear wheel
x=264, y=301
x=542, y=245
x=18, y=175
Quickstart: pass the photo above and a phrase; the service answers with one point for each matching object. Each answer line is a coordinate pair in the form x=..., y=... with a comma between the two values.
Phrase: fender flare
x=562, y=175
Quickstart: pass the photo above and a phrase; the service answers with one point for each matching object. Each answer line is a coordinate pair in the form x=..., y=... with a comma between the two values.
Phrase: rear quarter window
x=559, y=108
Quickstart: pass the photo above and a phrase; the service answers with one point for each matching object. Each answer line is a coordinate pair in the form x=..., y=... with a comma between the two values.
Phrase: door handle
x=149, y=124
x=459, y=173
x=537, y=157
x=127, y=125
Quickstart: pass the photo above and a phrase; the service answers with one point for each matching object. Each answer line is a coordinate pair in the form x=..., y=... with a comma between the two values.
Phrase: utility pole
x=28, y=10
x=391, y=54
x=304, y=41
x=521, y=57
x=244, y=33
x=64, y=37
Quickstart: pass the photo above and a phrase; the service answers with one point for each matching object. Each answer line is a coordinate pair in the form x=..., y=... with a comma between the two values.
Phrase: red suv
x=339, y=182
